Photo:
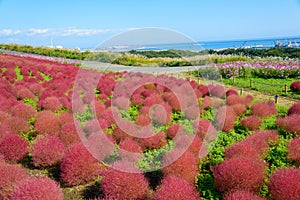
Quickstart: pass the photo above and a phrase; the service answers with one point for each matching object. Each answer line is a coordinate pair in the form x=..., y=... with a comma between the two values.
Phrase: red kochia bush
x=125, y=185
x=9, y=176
x=175, y=188
x=234, y=99
x=264, y=109
x=3, y=116
x=79, y=166
x=252, y=123
x=25, y=93
x=52, y=103
x=142, y=120
x=285, y=184
x=239, y=109
x=184, y=166
x=226, y=118
x=47, y=123
x=13, y=148
x=239, y=173
x=290, y=123
x=294, y=150
x=248, y=100
x=295, y=86
x=261, y=140
x=231, y=92
x=68, y=134
x=129, y=146
x=193, y=144
x=242, y=195
x=295, y=109
x=37, y=188
x=24, y=111
x=173, y=130
x=217, y=91
x=241, y=148
x=47, y=151
x=17, y=125
x=155, y=141
x=204, y=90
x=205, y=129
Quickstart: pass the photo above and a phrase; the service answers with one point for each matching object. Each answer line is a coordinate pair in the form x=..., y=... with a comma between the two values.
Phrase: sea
x=215, y=45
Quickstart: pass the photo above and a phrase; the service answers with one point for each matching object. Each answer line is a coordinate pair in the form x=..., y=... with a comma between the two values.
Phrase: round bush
x=68, y=134
x=47, y=123
x=285, y=184
x=295, y=86
x=226, y=118
x=13, y=148
x=175, y=188
x=231, y=92
x=239, y=173
x=290, y=123
x=124, y=185
x=79, y=166
x=234, y=99
x=23, y=111
x=261, y=140
x=185, y=166
x=47, y=151
x=37, y=188
x=173, y=130
x=9, y=176
x=242, y=148
x=17, y=125
x=130, y=146
x=295, y=109
x=3, y=116
x=293, y=148
x=52, y=103
x=252, y=123
x=155, y=141
x=205, y=129
x=217, y=91
x=239, y=109
x=193, y=144
x=242, y=195
x=264, y=109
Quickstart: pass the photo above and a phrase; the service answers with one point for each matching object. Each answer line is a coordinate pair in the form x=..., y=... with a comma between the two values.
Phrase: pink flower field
x=72, y=133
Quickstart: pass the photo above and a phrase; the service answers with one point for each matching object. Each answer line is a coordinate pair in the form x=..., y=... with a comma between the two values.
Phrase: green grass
x=271, y=86
x=18, y=72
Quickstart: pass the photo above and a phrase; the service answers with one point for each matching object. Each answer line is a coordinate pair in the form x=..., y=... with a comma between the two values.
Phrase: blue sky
x=79, y=23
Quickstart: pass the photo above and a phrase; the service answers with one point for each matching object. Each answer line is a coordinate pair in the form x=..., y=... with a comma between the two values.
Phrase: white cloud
x=58, y=32
x=82, y=32
x=9, y=32
x=35, y=31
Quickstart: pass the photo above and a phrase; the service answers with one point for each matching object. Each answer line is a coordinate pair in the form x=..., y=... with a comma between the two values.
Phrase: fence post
x=198, y=79
x=285, y=88
x=233, y=79
x=276, y=97
x=241, y=91
x=250, y=83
